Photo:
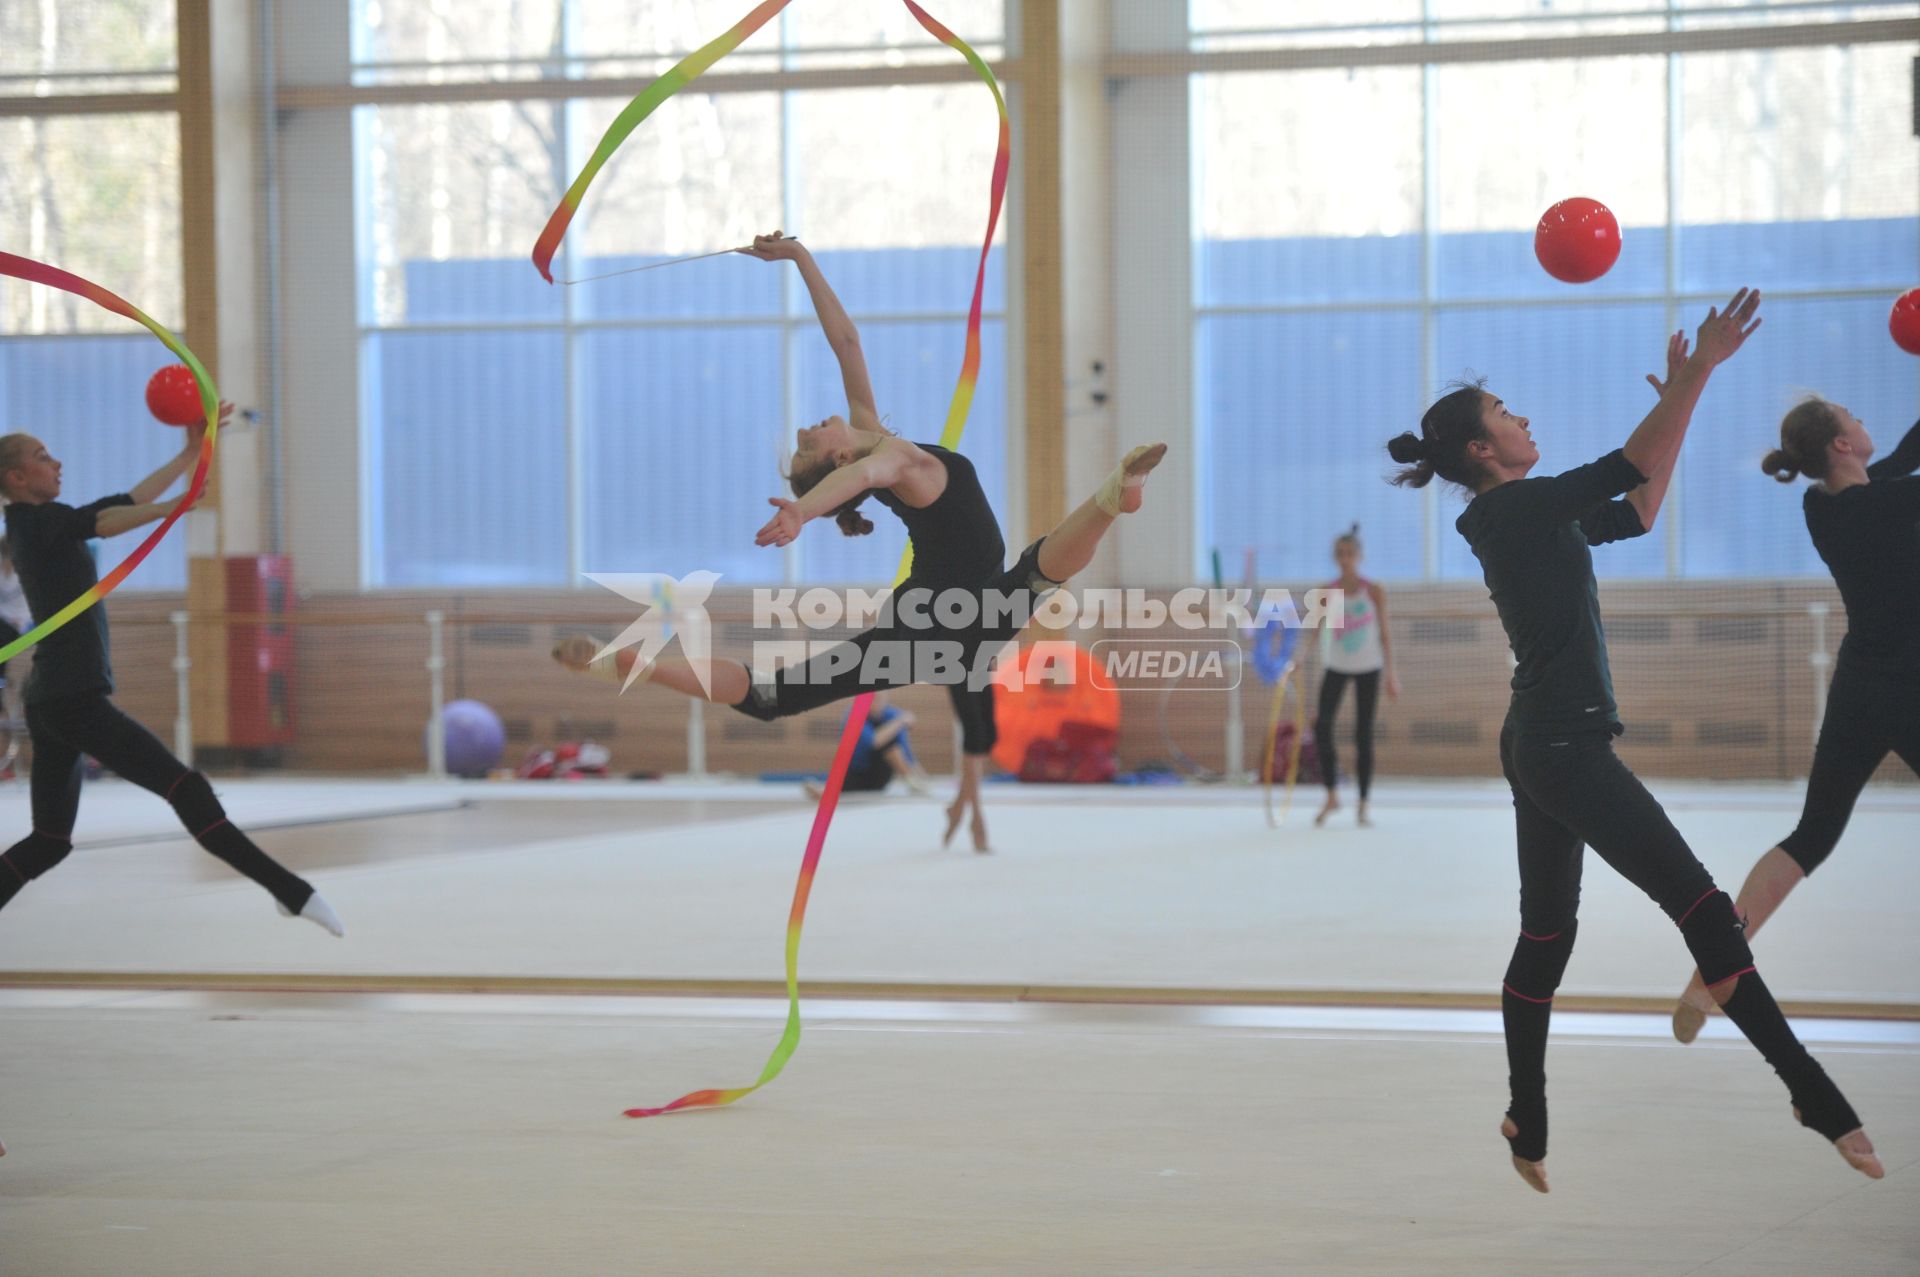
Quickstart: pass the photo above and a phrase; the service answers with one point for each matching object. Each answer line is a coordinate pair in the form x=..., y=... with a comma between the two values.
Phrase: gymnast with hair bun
x=1864, y=517
x=1534, y=540
x=958, y=557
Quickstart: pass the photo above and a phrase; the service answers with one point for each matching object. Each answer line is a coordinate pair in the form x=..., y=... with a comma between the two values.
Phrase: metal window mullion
x=570, y=352
x=1676, y=488
x=792, y=562
x=1429, y=286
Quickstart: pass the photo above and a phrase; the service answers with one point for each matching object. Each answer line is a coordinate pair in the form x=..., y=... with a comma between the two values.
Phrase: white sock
x=318, y=912
x=1108, y=497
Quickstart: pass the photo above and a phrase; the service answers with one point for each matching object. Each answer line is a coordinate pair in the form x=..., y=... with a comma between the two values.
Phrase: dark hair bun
x=852, y=522
x=1407, y=448
x=1780, y=465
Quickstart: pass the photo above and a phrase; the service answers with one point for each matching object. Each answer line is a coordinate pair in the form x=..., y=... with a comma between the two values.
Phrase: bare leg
x=972, y=769
x=729, y=680
x=1773, y=876
x=1069, y=547
x=1327, y=808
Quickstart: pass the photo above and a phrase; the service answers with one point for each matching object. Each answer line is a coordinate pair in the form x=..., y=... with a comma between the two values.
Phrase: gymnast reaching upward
x=1570, y=790
x=1864, y=517
x=959, y=603
x=69, y=713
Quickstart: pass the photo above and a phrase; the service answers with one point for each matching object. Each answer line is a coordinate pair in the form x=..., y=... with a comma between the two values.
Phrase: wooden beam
x=1420, y=53
x=1043, y=357
x=88, y=104
x=200, y=284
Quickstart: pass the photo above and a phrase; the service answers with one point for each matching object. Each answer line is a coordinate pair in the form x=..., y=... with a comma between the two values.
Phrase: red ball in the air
x=173, y=396
x=1904, y=322
x=1577, y=240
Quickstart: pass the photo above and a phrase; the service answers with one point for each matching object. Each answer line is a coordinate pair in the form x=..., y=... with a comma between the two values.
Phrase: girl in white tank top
x=1358, y=652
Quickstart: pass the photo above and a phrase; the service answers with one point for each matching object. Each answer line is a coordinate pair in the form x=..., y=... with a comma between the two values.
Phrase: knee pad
x=1538, y=962
x=1809, y=849
x=1026, y=570
x=32, y=856
x=762, y=702
x=193, y=801
x=1716, y=935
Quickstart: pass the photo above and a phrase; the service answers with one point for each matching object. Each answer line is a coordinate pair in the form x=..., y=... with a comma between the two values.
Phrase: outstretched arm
x=1649, y=496
x=144, y=492
x=885, y=466
x=114, y=520
x=840, y=332
x=1654, y=446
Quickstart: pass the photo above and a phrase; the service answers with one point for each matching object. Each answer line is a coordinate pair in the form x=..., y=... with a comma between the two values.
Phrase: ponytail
x=1781, y=466
x=851, y=522
x=1440, y=449
x=1806, y=432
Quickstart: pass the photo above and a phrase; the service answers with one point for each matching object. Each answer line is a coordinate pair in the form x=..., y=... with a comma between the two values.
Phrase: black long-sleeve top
x=1533, y=538
x=50, y=553
x=1869, y=537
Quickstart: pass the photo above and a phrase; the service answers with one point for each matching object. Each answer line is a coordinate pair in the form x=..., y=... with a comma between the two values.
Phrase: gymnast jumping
x=68, y=711
x=1864, y=517
x=1360, y=652
x=958, y=557
x=1533, y=538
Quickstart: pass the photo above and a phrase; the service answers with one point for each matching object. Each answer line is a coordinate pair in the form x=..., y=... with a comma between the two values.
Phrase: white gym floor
x=194, y=1084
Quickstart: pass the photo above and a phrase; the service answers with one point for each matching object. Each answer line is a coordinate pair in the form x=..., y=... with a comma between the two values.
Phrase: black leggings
x=1366, y=693
x=909, y=653
x=65, y=729
x=1570, y=792
x=1868, y=717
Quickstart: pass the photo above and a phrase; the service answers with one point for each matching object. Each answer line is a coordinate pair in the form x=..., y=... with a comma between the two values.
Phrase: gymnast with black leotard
x=958, y=557
x=1864, y=517
x=1533, y=538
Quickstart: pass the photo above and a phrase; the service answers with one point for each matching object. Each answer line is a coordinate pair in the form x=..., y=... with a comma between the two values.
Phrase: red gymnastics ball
x=1577, y=240
x=1904, y=322
x=173, y=396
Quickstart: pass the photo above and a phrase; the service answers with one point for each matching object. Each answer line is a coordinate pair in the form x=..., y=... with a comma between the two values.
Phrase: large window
x=519, y=434
x=96, y=193
x=1364, y=236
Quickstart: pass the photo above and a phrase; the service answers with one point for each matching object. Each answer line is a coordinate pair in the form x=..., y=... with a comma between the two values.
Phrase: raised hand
x=774, y=248
x=1676, y=360
x=784, y=526
x=198, y=430
x=1721, y=334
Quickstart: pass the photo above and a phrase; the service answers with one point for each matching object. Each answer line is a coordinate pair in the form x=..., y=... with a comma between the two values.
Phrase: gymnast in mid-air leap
x=1864, y=517
x=1570, y=790
x=960, y=600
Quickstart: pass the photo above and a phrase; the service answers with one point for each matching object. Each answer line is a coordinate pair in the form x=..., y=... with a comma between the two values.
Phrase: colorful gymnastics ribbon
x=642, y=106
x=53, y=277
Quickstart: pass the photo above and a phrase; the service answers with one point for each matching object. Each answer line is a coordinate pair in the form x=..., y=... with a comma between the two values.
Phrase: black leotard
x=1869, y=537
x=956, y=546
x=956, y=540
